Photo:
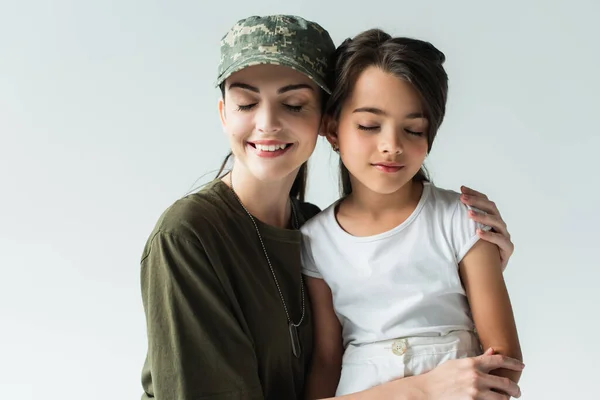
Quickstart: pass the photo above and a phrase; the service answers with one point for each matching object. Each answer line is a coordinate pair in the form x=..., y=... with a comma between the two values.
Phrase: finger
x=501, y=384
x=492, y=396
x=488, y=395
x=467, y=190
x=503, y=242
x=489, y=352
x=487, y=363
x=483, y=204
x=490, y=220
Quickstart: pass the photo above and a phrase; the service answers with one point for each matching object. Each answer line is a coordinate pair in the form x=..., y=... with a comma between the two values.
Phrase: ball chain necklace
x=292, y=327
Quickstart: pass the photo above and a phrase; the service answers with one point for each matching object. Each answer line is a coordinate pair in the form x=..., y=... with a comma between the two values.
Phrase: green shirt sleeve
x=196, y=346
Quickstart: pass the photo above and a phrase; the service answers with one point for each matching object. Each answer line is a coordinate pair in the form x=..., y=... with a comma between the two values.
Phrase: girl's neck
x=364, y=201
x=268, y=202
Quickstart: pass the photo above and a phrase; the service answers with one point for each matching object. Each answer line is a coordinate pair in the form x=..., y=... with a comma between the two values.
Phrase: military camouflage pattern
x=285, y=40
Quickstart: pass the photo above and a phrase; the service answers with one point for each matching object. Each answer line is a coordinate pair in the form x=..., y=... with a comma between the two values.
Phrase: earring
x=335, y=147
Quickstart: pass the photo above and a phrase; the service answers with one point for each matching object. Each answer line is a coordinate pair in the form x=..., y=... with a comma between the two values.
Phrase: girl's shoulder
x=442, y=200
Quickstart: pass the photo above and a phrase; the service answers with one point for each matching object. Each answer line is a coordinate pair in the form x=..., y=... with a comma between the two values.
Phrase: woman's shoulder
x=308, y=210
x=195, y=215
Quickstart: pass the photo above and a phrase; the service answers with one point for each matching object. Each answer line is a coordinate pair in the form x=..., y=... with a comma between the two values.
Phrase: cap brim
x=262, y=59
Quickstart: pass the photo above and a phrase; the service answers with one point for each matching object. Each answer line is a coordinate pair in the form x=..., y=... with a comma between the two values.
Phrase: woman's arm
x=464, y=379
x=499, y=234
x=481, y=273
x=326, y=364
x=196, y=346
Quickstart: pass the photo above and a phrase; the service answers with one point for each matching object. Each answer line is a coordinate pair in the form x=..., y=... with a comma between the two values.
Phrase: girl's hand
x=499, y=234
x=469, y=379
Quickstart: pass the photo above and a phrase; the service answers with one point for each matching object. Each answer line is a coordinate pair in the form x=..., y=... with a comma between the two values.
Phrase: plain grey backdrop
x=108, y=115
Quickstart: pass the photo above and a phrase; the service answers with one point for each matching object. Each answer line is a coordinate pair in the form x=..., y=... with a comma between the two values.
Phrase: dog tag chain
x=292, y=327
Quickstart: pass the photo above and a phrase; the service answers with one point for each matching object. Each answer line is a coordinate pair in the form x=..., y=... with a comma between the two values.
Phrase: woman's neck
x=269, y=202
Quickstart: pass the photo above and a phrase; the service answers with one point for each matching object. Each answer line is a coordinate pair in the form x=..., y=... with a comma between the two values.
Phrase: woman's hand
x=462, y=379
x=469, y=379
x=499, y=234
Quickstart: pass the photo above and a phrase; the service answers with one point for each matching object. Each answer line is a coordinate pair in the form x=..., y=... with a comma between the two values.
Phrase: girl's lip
x=388, y=164
x=388, y=167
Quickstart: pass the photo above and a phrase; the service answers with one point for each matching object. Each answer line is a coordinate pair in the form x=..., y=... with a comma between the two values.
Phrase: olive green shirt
x=216, y=325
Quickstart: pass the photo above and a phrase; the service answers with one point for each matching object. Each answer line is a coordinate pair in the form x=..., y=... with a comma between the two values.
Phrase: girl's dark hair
x=416, y=61
x=298, y=189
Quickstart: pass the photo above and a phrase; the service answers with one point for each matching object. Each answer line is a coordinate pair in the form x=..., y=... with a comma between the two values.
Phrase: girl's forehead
x=376, y=88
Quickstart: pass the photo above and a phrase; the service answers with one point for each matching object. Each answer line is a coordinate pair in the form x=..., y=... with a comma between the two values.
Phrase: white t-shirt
x=403, y=282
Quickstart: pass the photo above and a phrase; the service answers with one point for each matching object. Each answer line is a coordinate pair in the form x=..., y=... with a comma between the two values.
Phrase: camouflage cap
x=285, y=40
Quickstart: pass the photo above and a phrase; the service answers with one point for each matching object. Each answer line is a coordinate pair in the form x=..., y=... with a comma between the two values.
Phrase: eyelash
x=248, y=107
x=367, y=128
x=245, y=107
x=373, y=128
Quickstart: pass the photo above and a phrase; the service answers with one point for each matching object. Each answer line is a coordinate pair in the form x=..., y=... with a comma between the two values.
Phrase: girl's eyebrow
x=379, y=111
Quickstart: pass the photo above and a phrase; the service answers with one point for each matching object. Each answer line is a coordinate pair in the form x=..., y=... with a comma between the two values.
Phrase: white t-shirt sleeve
x=464, y=230
x=309, y=267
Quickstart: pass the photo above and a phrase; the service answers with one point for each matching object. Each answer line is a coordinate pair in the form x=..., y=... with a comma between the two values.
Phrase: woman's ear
x=222, y=113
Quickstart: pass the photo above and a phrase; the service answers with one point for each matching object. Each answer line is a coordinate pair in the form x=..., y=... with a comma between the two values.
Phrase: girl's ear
x=329, y=130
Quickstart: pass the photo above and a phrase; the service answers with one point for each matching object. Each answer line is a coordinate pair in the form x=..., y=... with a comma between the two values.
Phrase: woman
x=226, y=308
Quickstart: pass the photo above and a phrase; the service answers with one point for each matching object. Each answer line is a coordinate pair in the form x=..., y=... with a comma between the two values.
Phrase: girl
x=227, y=312
x=393, y=266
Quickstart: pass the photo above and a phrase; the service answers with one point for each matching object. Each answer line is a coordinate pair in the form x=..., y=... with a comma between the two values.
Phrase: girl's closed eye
x=368, y=127
x=414, y=132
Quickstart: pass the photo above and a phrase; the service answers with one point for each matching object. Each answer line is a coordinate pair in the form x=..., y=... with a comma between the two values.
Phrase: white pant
x=372, y=364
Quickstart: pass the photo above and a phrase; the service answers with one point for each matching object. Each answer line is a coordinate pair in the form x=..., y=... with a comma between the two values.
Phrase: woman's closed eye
x=293, y=108
x=245, y=107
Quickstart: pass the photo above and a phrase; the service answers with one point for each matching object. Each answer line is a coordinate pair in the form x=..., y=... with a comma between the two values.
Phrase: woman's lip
x=269, y=154
x=267, y=142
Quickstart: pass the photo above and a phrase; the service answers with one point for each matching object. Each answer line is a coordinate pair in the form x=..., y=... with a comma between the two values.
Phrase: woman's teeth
x=270, y=147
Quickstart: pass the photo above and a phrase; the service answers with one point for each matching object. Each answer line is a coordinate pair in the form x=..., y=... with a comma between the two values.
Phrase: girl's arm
x=326, y=365
x=462, y=379
x=481, y=274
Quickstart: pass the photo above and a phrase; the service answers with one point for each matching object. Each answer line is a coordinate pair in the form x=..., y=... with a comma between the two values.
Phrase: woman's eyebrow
x=294, y=87
x=244, y=86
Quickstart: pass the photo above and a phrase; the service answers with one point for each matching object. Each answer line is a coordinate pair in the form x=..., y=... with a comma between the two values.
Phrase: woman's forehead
x=264, y=75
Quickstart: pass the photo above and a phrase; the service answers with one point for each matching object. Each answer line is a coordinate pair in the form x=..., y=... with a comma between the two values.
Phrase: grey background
x=108, y=114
